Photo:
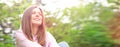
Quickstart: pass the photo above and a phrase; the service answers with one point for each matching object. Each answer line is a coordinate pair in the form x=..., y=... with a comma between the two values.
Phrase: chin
x=37, y=23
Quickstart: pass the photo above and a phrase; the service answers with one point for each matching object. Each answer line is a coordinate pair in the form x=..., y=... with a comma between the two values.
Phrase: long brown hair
x=114, y=26
x=27, y=26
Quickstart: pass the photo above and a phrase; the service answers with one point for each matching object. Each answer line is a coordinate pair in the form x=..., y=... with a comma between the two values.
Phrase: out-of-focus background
x=81, y=23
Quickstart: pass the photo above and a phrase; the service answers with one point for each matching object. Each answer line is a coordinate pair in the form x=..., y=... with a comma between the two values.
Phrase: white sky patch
x=66, y=19
x=86, y=2
x=7, y=2
x=52, y=5
x=1, y=27
x=10, y=4
x=103, y=2
x=7, y=30
x=1, y=1
x=18, y=1
x=59, y=15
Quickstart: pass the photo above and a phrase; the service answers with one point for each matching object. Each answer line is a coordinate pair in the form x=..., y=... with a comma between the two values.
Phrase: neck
x=34, y=29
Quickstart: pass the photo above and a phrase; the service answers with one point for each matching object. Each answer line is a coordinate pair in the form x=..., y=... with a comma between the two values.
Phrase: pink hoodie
x=22, y=41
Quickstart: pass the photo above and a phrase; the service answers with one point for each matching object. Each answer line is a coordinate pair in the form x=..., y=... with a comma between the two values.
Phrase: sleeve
x=51, y=41
x=21, y=41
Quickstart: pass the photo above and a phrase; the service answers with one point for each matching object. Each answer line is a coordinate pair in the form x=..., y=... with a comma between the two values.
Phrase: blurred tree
x=87, y=27
x=114, y=23
x=10, y=20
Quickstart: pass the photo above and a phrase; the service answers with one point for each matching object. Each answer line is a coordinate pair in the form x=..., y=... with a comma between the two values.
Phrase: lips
x=37, y=19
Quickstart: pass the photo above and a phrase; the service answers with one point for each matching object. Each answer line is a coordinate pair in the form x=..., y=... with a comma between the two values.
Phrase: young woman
x=32, y=32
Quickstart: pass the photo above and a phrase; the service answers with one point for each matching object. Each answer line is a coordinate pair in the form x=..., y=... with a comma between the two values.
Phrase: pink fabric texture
x=22, y=41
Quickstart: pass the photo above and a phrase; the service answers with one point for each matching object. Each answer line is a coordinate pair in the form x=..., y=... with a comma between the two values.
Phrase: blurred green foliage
x=87, y=26
x=10, y=21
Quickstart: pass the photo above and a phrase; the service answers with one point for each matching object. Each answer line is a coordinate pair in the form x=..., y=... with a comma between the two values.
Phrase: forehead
x=36, y=10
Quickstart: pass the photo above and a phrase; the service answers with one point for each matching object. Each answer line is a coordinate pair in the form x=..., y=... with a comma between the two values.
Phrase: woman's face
x=36, y=16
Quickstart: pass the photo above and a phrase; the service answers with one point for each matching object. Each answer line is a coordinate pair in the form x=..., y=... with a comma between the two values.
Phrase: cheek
x=41, y=17
x=32, y=19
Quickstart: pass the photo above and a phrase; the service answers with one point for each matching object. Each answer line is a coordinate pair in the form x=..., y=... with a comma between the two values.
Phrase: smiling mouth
x=36, y=19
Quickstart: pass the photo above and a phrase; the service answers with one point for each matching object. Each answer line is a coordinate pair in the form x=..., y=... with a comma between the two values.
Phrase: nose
x=37, y=15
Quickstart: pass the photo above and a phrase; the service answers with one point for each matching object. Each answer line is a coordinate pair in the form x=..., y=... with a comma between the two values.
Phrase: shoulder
x=51, y=41
x=19, y=35
x=49, y=36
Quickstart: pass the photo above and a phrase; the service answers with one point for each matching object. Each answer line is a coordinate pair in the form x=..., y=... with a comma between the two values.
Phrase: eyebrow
x=41, y=12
